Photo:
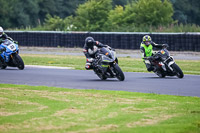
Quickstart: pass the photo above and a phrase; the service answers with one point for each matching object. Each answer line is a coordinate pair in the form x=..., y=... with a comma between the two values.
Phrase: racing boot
x=149, y=67
x=88, y=66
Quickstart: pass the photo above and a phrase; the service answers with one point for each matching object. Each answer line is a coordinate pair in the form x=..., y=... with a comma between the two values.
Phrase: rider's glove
x=90, y=59
x=109, y=47
x=16, y=42
x=165, y=45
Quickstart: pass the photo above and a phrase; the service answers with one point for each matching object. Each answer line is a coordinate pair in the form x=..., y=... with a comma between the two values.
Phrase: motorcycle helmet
x=146, y=40
x=1, y=31
x=89, y=41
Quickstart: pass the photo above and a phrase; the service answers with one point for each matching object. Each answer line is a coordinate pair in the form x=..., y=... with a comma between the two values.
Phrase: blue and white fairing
x=11, y=48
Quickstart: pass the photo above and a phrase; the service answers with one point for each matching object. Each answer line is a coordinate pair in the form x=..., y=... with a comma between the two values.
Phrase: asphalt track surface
x=86, y=79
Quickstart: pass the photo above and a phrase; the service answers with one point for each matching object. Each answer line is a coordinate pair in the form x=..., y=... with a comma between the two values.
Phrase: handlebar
x=165, y=45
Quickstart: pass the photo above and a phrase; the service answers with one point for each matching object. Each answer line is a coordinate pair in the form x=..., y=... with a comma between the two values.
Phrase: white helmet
x=1, y=31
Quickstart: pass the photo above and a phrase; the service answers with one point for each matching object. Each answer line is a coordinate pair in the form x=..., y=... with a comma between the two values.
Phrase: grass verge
x=50, y=109
x=127, y=64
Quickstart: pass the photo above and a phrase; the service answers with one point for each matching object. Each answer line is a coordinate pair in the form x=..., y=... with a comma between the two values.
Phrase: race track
x=83, y=79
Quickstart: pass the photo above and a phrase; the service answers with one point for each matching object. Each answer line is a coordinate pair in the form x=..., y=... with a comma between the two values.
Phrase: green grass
x=50, y=109
x=127, y=64
x=76, y=62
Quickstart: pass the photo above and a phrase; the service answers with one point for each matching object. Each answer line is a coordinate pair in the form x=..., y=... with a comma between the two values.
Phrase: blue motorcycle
x=10, y=55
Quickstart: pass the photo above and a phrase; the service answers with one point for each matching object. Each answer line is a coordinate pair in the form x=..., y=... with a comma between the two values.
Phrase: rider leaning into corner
x=90, y=49
x=146, y=49
x=3, y=36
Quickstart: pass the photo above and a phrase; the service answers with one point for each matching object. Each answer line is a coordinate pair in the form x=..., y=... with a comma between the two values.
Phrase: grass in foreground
x=126, y=64
x=50, y=109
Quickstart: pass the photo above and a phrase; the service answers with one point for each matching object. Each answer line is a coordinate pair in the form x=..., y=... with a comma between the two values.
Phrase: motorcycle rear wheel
x=101, y=76
x=161, y=75
x=178, y=71
x=3, y=65
x=119, y=74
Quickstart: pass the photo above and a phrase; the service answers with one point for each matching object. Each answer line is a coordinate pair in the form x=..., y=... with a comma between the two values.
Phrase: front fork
x=163, y=66
x=13, y=59
x=169, y=65
x=111, y=68
x=171, y=61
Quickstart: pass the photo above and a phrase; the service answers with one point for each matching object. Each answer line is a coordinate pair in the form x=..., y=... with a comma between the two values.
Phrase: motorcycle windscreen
x=10, y=45
x=164, y=54
x=7, y=42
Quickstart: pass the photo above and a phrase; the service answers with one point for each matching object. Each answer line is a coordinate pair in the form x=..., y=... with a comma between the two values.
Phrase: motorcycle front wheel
x=119, y=74
x=17, y=60
x=177, y=70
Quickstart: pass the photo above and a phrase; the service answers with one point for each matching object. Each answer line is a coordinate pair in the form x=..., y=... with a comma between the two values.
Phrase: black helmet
x=89, y=41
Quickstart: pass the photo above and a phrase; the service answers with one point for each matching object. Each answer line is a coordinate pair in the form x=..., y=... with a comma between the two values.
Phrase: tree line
x=100, y=15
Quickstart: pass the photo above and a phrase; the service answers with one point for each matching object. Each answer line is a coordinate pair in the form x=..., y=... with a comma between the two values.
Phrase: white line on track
x=50, y=67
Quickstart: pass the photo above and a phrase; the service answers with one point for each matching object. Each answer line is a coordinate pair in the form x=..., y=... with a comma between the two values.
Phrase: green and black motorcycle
x=105, y=64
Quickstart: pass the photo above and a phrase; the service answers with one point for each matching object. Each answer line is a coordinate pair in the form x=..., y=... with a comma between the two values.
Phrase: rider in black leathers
x=90, y=49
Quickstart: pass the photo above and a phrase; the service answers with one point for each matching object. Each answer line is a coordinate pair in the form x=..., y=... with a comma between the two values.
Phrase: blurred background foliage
x=101, y=15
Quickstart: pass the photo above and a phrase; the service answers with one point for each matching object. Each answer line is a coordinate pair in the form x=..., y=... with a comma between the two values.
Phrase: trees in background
x=187, y=11
x=97, y=15
x=92, y=15
x=5, y=14
x=141, y=13
x=24, y=13
x=55, y=23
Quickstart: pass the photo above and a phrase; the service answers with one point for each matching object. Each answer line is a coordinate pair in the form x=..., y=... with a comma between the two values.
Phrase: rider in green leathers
x=146, y=49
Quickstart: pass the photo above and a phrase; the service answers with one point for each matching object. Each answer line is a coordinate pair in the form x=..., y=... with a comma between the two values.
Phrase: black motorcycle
x=164, y=64
x=105, y=64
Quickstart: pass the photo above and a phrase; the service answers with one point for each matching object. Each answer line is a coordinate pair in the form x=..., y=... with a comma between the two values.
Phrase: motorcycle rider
x=3, y=36
x=90, y=49
x=146, y=49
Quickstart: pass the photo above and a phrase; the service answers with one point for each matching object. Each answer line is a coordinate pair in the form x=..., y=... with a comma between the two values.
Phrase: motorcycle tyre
x=119, y=74
x=19, y=62
x=101, y=76
x=161, y=75
x=178, y=71
x=3, y=66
